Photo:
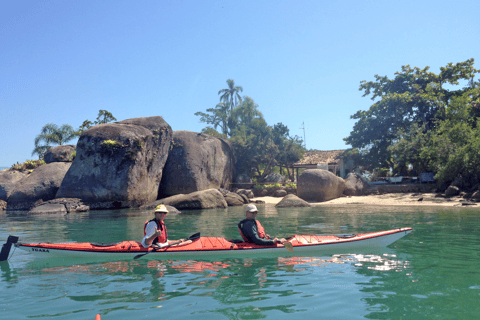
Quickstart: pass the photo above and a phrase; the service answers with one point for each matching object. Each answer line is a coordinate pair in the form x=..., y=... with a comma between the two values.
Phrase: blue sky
x=300, y=61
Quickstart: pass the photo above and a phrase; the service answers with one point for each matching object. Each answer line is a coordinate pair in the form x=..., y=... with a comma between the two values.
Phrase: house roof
x=320, y=156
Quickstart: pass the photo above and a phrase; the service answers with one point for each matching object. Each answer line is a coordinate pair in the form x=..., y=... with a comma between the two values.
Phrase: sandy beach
x=389, y=199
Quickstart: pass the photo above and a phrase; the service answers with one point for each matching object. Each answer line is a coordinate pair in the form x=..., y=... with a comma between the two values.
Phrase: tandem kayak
x=211, y=247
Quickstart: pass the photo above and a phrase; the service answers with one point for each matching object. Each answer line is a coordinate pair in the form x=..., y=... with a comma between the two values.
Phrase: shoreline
x=388, y=199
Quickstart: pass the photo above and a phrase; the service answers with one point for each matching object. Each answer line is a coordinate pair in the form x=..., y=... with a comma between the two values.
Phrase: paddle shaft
x=192, y=237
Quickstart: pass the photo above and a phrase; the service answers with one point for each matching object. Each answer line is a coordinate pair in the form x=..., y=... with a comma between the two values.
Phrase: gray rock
x=49, y=208
x=119, y=164
x=355, y=185
x=234, y=199
x=319, y=185
x=152, y=205
x=3, y=206
x=248, y=193
x=41, y=184
x=197, y=162
x=280, y=193
x=275, y=178
x=8, y=179
x=292, y=200
x=452, y=191
x=62, y=153
x=206, y=199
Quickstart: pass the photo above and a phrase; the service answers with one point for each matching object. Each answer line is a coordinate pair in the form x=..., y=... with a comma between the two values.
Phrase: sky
x=300, y=61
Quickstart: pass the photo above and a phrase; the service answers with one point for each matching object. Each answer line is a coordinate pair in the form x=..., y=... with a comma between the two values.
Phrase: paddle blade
x=194, y=236
x=288, y=246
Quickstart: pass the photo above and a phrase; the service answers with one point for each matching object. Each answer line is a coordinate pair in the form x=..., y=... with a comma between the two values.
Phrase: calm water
x=431, y=273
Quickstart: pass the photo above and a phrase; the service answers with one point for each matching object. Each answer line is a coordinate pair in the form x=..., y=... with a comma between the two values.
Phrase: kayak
x=208, y=247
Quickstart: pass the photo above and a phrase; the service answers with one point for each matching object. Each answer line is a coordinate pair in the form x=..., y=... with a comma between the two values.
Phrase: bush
x=28, y=165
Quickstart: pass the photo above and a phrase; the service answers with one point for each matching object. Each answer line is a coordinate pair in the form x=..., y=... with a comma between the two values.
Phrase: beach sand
x=388, y=199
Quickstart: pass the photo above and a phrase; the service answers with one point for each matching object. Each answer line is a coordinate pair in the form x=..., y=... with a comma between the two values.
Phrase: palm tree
x=52, y=134
x=231, y=95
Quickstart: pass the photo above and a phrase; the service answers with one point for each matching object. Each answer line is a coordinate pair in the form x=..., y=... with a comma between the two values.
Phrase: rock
x=280, y=193
x=197, y=161
x=119, y=164
x=62, y=153
x=3, y=206
x=8, y=179
x=452, y=191
x=206, y=199
x=355, y=185
x=152, y=205
x=42, y=184
x=292, y=200
x=61, y=205
x=49, y=208
x=319, y=185
x=248, y=193
x=275, y=178
x=476, y=196
x=245, y=198
x=243, y=180
x=234, y=199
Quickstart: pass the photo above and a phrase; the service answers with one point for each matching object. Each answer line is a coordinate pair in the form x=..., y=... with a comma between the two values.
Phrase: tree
x=50, y=135
x=103, y=117
x=413, y=96
x=231, y=96
x=218, y=117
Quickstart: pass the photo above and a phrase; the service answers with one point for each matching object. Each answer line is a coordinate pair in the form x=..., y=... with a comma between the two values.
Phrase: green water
x=431, y=273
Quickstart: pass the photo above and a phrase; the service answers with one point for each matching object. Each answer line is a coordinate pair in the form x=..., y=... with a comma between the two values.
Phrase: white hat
x=251, y=208
x=161, y=208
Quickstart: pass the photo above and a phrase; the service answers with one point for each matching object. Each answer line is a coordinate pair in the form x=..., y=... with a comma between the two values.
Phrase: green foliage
x=51, y=135
x=28, y=165
x=258, y=147
x=103, y=117
x=413, y=96
x=111, y=144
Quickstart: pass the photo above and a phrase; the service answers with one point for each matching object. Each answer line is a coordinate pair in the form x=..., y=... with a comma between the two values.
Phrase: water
x=431, y=273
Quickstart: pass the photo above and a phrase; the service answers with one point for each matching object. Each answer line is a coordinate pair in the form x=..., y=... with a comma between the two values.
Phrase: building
x=331, y=160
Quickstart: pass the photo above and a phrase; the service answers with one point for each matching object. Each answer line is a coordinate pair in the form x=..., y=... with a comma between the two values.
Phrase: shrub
x=28, y=165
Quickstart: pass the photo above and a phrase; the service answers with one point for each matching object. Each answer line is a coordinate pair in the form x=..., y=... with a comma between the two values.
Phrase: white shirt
x=149, y=230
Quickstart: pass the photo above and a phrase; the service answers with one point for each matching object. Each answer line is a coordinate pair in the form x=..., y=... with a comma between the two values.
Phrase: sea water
x=431, y=273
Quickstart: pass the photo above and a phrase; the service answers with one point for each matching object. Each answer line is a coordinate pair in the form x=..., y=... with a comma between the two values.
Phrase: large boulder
x=197, y=161
x=292, y=200
x=42, y=184
x=206, y=199
x=59, y=206
x=119, y=164
x=62, y=153
x=8, y=179
x=319, y=185
x=355, y=185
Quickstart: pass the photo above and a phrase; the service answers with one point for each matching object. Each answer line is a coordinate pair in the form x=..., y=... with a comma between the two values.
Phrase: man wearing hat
x=252, y=231
x=155, y=230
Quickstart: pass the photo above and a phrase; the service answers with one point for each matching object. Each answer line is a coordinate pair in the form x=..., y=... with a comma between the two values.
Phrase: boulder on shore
x=292, y=200
x=355, y=185
x=42, y=184
x=197, y=161
x=8, y=179
x=59, y=206
x=119, y=164
x=319, y=185
x=206, y=199
x=63, y=153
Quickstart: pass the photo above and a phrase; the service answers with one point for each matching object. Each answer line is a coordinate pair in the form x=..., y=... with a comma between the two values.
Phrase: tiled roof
x=321, y=156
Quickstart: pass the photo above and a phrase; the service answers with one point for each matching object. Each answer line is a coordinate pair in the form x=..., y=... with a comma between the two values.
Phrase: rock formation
x=319, y=185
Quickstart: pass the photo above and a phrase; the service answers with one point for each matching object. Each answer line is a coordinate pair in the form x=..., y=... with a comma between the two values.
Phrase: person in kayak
x=155, y=230
x=252, y=231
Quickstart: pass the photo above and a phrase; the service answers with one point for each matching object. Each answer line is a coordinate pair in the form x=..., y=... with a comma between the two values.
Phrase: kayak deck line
x=214, y=245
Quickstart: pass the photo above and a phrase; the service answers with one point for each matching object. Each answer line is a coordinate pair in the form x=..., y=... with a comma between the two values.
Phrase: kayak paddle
x=192, y=237
x=288, y=246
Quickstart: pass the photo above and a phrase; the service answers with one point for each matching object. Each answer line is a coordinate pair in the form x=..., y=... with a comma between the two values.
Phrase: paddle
x=288, y=246
x=192, y=237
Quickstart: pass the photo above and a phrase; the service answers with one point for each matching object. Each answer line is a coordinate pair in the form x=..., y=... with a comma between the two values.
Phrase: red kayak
x=197, y=247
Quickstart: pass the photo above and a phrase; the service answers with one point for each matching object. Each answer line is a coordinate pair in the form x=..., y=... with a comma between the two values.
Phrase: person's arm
x=151, y=233
x=250, y=232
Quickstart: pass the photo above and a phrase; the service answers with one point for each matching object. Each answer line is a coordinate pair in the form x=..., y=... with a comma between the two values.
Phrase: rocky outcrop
x=8, y=179
x=119, y=164
x=42, y=184
x=206, y=199
x=197, y=162
x=234, y=199
x=355, y=185
x=292, y=200
x=62, y=153
x=59, y=206
x=319, y=185
x=3, y=206
x=248, y=193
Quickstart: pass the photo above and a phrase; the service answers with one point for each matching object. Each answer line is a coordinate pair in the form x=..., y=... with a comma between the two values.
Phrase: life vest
x=160, y=226
x=260, y=230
